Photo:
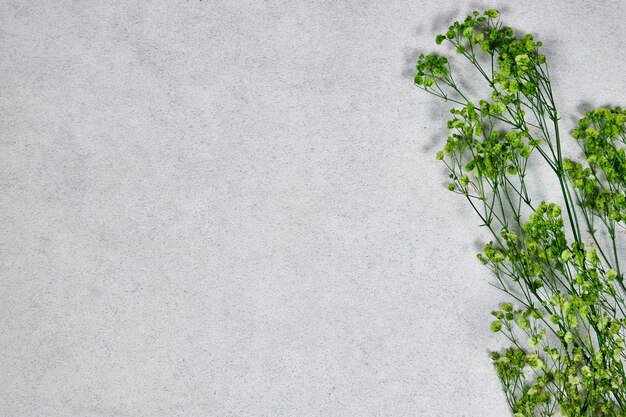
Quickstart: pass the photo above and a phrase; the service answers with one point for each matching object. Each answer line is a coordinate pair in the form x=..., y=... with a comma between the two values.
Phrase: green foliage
x=560, y=268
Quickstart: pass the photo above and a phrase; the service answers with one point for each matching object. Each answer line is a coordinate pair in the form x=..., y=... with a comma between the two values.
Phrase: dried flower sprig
x=561, y=269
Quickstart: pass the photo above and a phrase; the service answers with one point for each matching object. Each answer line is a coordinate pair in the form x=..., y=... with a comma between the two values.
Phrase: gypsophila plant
x=560, y=266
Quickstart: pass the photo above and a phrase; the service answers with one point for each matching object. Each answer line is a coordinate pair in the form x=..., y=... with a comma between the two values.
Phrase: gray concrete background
x=233, y=208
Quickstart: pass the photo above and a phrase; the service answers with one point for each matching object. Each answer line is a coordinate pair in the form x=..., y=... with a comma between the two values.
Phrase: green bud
x=491, y=13
x=610, y=275
x=529, y=45
x=572, y=321
x=568, y=337
x=497, y=107
x=585, y=371
x=478, y=130
x=566, y=255
x=534, y=361
x=523, y=322
x=573, y=379
x=522, y=61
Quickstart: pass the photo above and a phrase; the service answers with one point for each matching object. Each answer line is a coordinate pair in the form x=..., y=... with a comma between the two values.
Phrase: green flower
x=552, y=260
x=491, y=13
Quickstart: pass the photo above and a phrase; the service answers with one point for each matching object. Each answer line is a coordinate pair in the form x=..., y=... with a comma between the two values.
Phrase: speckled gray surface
x=233, y=208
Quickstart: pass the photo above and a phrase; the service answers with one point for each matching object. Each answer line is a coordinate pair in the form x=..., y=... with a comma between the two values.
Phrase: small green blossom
x=610, y=275
x=569, y=337
x=496, y=326
x=491, y=13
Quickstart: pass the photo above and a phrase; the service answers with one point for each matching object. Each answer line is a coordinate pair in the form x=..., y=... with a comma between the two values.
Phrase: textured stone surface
x=233, y=208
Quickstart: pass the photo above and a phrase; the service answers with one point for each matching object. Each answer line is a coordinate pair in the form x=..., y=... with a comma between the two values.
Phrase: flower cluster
x=429, y=67
x=568, y=328
x=485, y=151
x=512, y=367
x=601, y=185
x=576, y=298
